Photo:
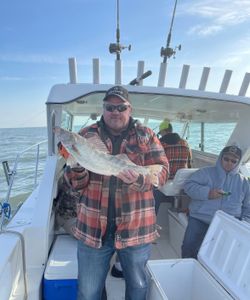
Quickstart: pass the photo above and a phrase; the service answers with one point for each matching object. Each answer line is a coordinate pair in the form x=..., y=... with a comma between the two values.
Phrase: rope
x=5, y=212
x=5, y=208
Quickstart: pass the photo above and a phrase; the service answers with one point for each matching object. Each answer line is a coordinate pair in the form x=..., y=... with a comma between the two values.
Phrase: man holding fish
x=116, y=211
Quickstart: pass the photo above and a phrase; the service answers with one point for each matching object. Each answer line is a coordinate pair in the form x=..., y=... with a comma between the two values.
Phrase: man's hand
x=215, y=194
x=128, y=176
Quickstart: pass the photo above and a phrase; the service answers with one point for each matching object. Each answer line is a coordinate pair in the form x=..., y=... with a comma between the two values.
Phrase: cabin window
x=214, y=139
x=66, y=120
x=83, y=121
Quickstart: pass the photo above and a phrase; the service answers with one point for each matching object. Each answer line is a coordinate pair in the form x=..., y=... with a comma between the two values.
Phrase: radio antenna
x=117, y=47
x=137, y=80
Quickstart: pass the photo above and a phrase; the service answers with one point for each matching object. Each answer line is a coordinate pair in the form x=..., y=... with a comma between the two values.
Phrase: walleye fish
x=92, y=154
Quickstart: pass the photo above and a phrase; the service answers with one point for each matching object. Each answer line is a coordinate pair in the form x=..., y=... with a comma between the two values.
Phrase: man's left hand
x=128, y=176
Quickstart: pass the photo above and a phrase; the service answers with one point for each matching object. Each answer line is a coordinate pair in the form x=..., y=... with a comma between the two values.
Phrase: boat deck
x=64, y=254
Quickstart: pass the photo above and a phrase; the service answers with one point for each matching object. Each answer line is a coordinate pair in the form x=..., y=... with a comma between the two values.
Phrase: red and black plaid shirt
x=179, y=156
x=134, y=203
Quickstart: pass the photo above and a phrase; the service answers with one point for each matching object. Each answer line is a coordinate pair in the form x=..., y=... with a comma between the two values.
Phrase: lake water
x=15, y=140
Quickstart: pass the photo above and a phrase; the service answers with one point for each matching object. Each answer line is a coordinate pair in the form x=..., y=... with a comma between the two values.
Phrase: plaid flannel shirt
x=179, y=156
x=134, y=203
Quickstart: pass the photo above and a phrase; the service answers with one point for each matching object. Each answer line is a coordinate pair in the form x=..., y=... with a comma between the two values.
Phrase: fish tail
x=154, y=170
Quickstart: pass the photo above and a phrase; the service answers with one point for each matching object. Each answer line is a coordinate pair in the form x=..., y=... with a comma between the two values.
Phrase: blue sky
x=38, y=37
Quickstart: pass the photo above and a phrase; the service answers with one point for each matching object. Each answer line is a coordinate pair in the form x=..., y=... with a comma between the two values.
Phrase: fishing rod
x=117, y=47
x=167, y=52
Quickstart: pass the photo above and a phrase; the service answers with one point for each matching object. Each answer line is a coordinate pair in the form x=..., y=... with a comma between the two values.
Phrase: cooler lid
x=62, y=262
x=225, y=253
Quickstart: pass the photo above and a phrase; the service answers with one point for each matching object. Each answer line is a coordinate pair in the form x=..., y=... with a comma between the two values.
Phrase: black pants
x=159, y=198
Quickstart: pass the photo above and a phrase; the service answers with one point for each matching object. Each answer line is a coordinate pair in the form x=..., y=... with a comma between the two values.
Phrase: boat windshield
x=207, y=137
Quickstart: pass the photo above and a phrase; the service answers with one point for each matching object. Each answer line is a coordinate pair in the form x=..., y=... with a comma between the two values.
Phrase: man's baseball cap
x=117, y=91
x=234, y=150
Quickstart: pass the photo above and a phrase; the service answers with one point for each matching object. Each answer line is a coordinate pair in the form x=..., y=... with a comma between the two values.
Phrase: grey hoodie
x=202, y=181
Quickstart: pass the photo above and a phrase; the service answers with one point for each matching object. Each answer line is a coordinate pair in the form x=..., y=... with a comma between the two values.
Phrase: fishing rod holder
x=7, y=171
x=117, y=48
x=168, y=52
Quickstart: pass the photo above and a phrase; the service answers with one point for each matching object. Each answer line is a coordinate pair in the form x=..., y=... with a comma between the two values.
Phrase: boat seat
x=175, y=186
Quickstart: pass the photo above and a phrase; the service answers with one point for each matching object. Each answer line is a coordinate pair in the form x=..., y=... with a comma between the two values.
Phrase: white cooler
x=60, y=276
x=222, y=270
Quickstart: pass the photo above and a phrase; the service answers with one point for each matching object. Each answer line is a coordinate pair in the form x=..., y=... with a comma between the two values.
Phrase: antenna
x=117, y=47
x=137, y=80
x=168, y=52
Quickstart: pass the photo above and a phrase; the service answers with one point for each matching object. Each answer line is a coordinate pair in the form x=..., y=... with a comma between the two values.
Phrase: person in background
x=178, y=153
x=220, y=187
x=117, y=214
x=65, y=206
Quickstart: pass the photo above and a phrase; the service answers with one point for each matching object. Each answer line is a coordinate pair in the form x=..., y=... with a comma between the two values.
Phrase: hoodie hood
x=221, y=171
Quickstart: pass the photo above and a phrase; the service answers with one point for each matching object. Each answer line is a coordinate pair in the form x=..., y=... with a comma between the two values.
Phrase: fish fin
x=154, y=170
x=97, y=143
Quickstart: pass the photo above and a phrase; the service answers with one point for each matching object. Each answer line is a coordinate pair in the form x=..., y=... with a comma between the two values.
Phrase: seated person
x=178, y=153
x=65, y=206
x=220, y=187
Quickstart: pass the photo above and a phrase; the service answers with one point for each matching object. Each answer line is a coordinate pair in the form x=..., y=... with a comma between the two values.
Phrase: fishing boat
x=38, y=261
x=28, y=237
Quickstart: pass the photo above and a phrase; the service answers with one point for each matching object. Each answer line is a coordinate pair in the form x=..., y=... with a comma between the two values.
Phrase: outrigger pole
x=167, y=52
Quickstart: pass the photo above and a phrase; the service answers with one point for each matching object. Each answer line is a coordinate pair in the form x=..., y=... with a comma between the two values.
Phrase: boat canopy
x=154, y=102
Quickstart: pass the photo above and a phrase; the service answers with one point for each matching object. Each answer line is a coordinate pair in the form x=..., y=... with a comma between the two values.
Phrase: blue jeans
x=93, y=267
x=194, y=235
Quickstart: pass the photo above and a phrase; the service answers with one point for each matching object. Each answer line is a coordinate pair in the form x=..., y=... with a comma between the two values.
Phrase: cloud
x=205, y=30
x=216, y=15
x=239, y=56
x=8, y=78
x=37, y=58
x=31, y=58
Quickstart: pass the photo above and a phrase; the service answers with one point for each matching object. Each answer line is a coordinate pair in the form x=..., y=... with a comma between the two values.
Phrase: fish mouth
x=63, y=136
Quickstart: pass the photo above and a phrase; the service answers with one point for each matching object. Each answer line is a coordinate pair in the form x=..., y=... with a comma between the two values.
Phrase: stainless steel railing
x=11, y=174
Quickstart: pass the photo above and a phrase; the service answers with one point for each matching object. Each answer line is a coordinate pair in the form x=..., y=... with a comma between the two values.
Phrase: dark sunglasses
x=112, y=108
x=227, y=159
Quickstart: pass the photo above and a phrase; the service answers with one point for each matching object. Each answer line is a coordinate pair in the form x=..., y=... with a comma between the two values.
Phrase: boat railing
x=29, y=177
